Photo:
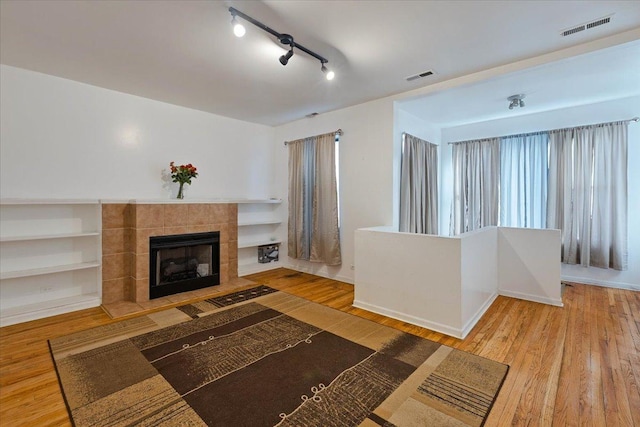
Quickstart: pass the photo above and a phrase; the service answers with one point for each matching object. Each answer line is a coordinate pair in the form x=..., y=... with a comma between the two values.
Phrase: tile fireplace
x=128, y=227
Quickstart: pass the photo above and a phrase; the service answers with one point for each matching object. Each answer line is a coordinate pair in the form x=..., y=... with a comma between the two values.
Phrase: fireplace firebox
x=183, y=262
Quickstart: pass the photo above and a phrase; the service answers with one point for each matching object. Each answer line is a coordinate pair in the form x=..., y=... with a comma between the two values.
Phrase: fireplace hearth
x=184, y=262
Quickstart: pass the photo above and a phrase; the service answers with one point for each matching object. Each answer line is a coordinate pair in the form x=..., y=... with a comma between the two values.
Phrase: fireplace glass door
x=183, y=263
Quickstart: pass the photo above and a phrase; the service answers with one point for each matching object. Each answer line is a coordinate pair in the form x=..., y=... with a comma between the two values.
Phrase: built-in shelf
x=49, y=201
x=265, y=222
x=46, y=237
x=259, y=224
x=47, y=270
x=191, y=201
x=257, y=243
x=42, y=242
x=258, y=201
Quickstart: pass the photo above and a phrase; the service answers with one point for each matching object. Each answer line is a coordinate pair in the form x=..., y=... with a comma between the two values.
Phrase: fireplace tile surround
x=126, y=228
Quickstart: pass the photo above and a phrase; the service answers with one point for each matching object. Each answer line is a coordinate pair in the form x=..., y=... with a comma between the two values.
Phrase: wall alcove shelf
x=259, y=223
x=50, y=258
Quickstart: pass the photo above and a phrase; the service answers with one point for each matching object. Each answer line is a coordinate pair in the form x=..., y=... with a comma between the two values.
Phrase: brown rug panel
x=284, y=378
x=197, y=338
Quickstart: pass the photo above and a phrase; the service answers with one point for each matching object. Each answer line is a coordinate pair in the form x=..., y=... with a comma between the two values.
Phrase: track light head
x=238, y=28
x=329, y=75
x=284, y=59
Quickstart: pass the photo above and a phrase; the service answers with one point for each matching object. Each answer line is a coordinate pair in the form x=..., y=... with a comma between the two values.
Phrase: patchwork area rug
x=261, y=357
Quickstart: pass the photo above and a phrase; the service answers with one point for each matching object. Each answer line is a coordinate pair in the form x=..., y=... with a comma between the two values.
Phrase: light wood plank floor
x=577, y=365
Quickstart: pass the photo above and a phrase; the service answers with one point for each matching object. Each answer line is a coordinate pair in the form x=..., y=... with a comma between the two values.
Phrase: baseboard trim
x=603, y=283
x=529, y=297
x=476, y=317
x=28, y=316
x=258, y=268
x=324, y=274
x=418, y=321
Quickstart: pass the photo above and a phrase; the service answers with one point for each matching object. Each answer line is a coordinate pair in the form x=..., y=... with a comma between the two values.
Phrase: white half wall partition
x=478, y=271
x=411, y=277
x=529, y=264
x=446, y=284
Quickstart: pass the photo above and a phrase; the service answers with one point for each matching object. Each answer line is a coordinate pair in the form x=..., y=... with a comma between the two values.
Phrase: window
x=314, y=233
x=418, y=186
x=523, y=180
x=571, y=179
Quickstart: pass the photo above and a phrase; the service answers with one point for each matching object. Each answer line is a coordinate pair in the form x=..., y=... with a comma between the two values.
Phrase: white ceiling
x=604, y=75
x=184, y=52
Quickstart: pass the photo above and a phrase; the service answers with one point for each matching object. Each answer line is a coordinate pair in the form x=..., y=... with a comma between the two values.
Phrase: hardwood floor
x=577, y=365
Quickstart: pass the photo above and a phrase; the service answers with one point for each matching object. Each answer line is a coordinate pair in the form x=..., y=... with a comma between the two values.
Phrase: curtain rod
x=635, y=119
x=338, y=132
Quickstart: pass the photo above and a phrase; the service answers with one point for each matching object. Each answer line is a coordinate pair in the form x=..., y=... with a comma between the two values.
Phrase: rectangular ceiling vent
x=419, y=76
x=586, y=26
x=573, y=30
x=598, y=22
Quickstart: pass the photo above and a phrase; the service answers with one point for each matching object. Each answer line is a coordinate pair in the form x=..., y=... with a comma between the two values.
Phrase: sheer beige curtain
x=588, y=194
x=476, y=177
x=314, y=233
x=418, y=186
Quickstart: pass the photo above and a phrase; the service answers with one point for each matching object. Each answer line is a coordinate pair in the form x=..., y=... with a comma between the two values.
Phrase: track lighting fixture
x=285, y=39
x=515, y=101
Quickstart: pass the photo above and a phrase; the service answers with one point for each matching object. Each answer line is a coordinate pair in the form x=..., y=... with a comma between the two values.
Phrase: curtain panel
x=588, y=194
x=523, y=180
x=476, y=173
x=418, y=186
x=313, y=233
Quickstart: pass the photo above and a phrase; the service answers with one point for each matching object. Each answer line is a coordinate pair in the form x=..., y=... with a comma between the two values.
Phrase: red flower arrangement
x=183, y=175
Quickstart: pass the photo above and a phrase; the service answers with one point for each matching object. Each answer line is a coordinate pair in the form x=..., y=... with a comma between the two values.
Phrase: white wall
x=369, y=172
x=479, y=273
x=620, y=109
x=64, y=139
x=366, y=170
x=411, y=277
x=447, y=283
x=69, y=138
x=529, y=267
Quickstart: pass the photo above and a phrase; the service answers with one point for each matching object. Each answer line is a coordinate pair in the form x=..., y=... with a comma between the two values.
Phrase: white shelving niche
x=259, y=223
x=50, y=258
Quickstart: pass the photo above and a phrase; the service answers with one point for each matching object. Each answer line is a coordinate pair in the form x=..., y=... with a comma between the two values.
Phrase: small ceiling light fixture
x=516, y=101
x=286, y=39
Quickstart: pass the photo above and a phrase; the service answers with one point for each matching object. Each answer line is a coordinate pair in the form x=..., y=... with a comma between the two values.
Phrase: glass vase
x=180, y=191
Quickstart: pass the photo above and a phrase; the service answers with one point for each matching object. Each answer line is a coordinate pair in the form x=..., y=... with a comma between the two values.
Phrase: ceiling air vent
x=586, y=26
x=599, y=22
x=419, y=76
x=573, y=30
